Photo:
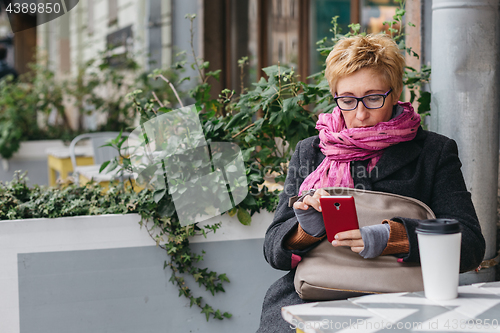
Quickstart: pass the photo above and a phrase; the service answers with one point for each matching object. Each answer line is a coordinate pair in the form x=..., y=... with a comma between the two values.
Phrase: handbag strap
x=358, y=192
x=334, y=191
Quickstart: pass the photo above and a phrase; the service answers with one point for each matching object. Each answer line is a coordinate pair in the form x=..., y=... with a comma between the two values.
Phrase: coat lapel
x=397, y=156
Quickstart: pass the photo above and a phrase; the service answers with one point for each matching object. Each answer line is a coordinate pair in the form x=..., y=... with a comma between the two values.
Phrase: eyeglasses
x=373, y=101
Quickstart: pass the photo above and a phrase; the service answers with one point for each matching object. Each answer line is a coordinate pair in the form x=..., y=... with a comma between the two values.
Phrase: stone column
x=465, y=101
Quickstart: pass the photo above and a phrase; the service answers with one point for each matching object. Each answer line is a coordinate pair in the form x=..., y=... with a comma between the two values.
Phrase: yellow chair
x=59, y=161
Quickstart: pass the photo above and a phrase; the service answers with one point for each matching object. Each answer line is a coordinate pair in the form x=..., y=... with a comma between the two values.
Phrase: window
x=119, y=43
x=375, y=12
x=322, y=12
x=265, y=31
x=232, y=30
x=268, y=32
x=282, y=30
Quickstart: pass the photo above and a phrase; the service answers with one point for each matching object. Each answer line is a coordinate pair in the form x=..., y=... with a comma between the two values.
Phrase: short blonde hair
x=378, y=52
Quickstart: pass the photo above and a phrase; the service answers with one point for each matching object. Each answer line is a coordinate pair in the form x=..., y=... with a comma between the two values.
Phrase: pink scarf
x=341, y=145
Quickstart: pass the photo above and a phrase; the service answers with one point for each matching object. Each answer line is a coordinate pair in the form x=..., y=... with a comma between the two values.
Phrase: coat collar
x=397, y=156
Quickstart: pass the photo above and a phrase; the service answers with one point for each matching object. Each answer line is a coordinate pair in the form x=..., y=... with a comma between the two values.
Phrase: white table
x=477, y=309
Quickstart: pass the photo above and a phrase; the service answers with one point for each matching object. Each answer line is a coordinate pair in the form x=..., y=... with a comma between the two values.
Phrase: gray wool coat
x=426, y=168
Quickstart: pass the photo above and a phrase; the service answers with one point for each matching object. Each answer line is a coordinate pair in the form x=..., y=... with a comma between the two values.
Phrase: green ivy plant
x=18, y=201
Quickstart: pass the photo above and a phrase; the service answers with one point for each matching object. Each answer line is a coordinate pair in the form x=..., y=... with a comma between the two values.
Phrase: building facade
x=266, y=31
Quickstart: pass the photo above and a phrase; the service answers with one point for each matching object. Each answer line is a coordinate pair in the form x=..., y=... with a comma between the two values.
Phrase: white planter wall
x=36, y=150
x=48, y=265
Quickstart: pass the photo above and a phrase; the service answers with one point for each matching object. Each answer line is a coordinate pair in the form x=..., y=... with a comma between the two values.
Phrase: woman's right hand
x=311, y=201
x=311, y=220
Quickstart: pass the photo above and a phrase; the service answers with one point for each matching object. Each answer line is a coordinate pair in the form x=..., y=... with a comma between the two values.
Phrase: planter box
x=36, y=150
x=105, y=274
x=31, y=157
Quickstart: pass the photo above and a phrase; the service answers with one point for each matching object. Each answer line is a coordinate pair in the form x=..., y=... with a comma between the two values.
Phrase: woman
x=370, y=141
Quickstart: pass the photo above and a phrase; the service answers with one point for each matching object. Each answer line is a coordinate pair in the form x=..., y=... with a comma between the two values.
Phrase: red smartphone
x=339, y=214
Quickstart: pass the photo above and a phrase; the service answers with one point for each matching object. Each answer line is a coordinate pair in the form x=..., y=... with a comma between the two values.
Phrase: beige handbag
x=329, y=273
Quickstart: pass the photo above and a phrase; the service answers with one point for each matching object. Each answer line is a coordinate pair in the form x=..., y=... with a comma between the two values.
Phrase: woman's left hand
x=351, y=238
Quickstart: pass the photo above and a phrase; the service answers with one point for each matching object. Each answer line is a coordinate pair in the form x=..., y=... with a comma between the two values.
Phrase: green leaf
x=412, y=96
x=207, y=310
x=424, y=102
x=159, y=194
x=258, y=124
x=172, y=249
x=166, y=208
x=113, y=165
x=264, y=153
x=217, y=315
x=244, y=217
x=271, y=70
x=223, y=278
x=214, y=74
x=247, y=153
x=290, y=104
x=232, y=212
x=250, y=137
x=103, y=166
x=276, y=118
x=239, y=117
x=249, y=199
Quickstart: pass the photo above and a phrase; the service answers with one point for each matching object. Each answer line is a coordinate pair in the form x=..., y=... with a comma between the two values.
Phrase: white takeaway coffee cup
x=439, y=247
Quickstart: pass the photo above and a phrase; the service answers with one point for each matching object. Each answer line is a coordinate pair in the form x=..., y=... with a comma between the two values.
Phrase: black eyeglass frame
x=360, y=99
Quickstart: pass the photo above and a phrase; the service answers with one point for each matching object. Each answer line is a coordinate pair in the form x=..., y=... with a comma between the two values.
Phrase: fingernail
x=306, y=206
x=336, y=236
x=319, y=208
x=334, y=242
